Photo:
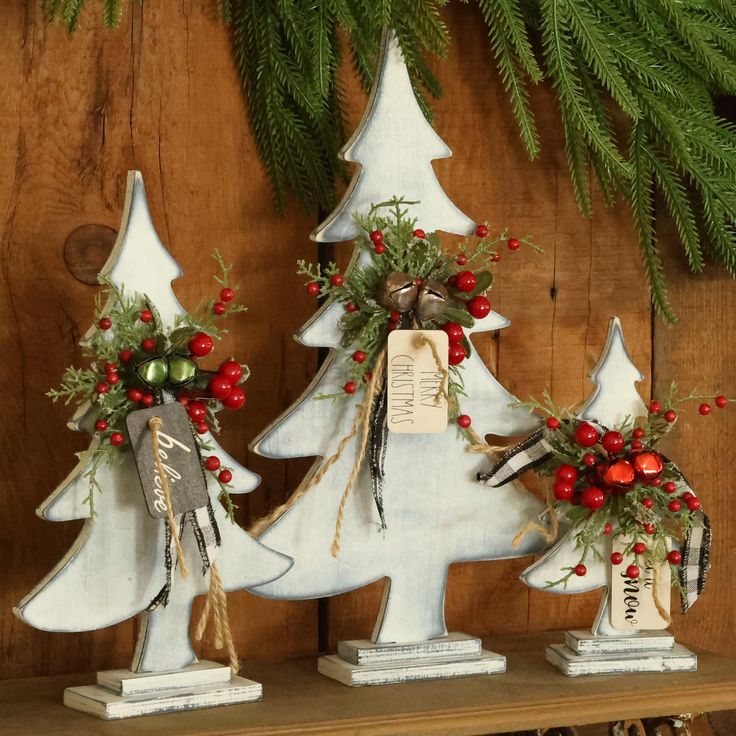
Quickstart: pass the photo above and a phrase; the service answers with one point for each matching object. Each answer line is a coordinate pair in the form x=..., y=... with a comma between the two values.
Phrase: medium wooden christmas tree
x=435, y=511
x=117, y=566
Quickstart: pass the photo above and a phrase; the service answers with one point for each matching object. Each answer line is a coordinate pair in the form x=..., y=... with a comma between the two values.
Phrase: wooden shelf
x=298, y=701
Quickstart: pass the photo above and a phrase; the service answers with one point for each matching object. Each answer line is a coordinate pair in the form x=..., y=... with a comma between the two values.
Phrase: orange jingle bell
x=619, y=474
x=648, y=465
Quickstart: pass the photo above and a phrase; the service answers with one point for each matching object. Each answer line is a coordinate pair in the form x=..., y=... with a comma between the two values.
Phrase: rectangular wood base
x=125, y=694
x=584, y=642
x=572, y=664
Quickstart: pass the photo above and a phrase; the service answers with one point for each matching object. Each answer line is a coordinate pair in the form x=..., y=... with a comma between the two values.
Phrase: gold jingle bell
x=398, y=291
x=432, y=301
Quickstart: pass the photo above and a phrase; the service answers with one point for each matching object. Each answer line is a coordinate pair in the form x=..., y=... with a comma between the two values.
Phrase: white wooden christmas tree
x=436, y=511
x=604, y=649
x=116, y=566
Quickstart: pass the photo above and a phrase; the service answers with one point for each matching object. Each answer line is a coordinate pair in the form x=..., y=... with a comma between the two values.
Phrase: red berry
x=212, y=463
x=563, y=490
x=461, y=260
x=105, y=323
x=350, y=387
x=632, y=572
x=670, y=415
x=116, y=439
x=148, y=400
x=100, y=425
x=613, y=442
x=674, y=506
x=219, y=308
x=351, y=307
x=655, y=407
x=337, y=279
x=669, y=487
x=466, y=281
x=134, y=395
x=639, y=548
x=359, y=356
x=367, y=376
x=704, y=409
x=377, y=236
x=219, y=387
x=552, y=423
x=226, y=294
x=235, y=400
x=589, y=459
x=648, y=528
x=495, y=258
x=456, y=354
x=647, y=503
x=419, y=233
x=593, y=498
x=655, y=482
x=312, y=289
x=586, y=434
x=608, y=528
x=638, y=433
x=197, y=411
x=225, y=476
x=391, y=326
x=112, y=378
x=200, y=345
x=454, y=332
x=617, y=558
x=721, y=401
x=125, y=356
x=674, y=557
x=395, y=316
x=379, y=248
x=693, y=504
x=146, y=316
x=513, y=244
x=148, y=345
x=479, y=307
x=102, y=388
x=201, y=427
x=110, y=368
x=566, y=472
x=636, y=445
x=464, y=421
x=580, y=570
x=481, y=231
x=232, y=370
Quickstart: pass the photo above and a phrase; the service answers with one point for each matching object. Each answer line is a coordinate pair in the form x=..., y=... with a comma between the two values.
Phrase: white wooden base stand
x=455, y=655
x=652, y=651
x=126, y=694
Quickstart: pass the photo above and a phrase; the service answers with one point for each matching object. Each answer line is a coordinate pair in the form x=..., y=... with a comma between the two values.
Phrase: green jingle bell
x=153, y=372
x=181, y=370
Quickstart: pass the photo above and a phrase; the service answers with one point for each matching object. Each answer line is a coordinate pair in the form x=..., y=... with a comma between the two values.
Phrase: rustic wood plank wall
x=161, y=95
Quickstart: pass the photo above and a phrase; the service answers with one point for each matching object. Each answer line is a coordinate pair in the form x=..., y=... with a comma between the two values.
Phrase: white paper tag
x=414, y=379
x=632, y=600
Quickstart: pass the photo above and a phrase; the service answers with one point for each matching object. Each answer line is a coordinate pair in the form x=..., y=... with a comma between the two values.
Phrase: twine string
x=155, y=423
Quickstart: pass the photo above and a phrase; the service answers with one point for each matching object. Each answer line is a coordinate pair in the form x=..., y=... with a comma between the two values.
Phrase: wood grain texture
x=300, y=702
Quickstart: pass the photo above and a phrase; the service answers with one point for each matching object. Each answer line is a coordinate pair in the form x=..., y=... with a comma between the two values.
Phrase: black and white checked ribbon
x=377, y=447
x=536, y=449
x=206, y=534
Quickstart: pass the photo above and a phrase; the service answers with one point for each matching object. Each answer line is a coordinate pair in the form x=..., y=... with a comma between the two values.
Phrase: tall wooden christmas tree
x=117, y=566
x=435, y=510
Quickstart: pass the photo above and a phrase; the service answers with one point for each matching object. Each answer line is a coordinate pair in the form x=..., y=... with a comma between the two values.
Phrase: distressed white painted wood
x=453, y=646
x=394, y=146
x=679, y=659
x=116, y=565
x=199, y=674
x=488, y=663
x=585, y=642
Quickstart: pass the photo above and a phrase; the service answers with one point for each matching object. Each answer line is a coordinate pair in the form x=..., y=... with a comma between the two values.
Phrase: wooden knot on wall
x=86, y=249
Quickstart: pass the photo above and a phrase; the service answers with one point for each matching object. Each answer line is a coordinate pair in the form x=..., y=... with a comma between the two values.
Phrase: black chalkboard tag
x=179, y=459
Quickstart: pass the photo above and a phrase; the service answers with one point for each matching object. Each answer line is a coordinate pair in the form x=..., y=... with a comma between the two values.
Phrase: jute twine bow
x=661, y=610
x=216, y=603
x=155, y=423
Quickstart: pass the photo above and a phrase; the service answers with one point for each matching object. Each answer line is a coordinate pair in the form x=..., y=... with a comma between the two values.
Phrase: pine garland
x=659, y=64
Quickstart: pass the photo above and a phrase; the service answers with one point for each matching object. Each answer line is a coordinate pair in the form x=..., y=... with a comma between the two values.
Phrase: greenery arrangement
x=134, y=362
x=635, y=83
x=614, y=481
x=407, y=281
